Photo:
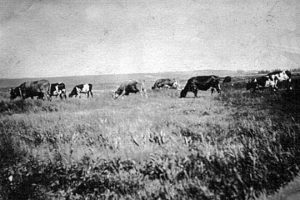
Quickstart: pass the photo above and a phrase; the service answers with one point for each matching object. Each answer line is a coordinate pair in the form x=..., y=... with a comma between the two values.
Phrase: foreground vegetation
x=233, y=146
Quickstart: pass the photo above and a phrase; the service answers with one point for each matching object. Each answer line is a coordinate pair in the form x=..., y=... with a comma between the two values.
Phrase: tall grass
x=233, y=146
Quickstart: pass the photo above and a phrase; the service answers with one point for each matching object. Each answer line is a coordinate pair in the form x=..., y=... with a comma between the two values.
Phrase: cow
x=280, y=76
x=82, y=88
x=165, y=83
x=31, y=89
x=201, y=83
x=58, y=89
x=271, y=80
x=260, y=83
x=227, y=79
x=130, y=86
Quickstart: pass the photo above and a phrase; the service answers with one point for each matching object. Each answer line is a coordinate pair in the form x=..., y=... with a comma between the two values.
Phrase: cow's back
x=36, y=86
x=200, y=80
x=127, y=84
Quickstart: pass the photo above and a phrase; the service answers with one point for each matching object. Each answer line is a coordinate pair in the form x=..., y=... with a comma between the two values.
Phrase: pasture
x=235, y=145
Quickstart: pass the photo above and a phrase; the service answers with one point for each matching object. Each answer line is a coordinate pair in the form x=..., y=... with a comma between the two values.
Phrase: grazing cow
x=82, y=88
x=58, y=89
x=201, y=83
x=271, y=80
x=31, y=89
x=260, y=83
x=227, y=79
x=280, y=76
x=131, y=86
x=165, y=83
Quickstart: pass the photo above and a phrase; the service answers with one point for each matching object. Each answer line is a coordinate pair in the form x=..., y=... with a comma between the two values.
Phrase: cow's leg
x=275, y=85
x=212, y=90
x=145, y=93
x=39, y=96
x=195, y=93
x=91, y=94
x=48, y=96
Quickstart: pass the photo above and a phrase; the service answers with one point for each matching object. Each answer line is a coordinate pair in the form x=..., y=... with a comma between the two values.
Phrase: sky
x=48, y=38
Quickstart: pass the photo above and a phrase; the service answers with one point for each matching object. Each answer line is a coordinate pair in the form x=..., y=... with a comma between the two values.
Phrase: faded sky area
x=89, y=37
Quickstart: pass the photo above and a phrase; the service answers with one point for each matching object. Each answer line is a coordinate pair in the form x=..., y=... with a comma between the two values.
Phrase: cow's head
x=71, y=94
x=183, y=93
x=15, y=92
x=175, y=85
x=117, y=93
x=251, y=84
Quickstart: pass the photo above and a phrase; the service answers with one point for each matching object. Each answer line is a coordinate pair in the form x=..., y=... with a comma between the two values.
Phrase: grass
x=231, y=146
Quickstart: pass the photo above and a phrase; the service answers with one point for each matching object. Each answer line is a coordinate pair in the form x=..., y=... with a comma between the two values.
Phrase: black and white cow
x=271, y=81
x=130, y=86
x=58, y=89
x=165, y=83
x=260, y=83
x=82, y=88
x=201, y=83
x=281, y=76
x=39, y=88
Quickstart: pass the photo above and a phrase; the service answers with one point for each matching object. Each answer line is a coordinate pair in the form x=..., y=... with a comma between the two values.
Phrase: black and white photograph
x=150, y=99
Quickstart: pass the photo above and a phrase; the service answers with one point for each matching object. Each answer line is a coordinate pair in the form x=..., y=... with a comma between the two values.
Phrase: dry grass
x=233, y=146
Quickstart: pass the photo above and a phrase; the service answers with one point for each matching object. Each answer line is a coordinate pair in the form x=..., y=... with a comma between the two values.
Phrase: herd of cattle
x=42, y=89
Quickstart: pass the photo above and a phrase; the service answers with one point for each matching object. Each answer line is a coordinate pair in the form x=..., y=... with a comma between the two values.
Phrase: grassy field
x=235, y=145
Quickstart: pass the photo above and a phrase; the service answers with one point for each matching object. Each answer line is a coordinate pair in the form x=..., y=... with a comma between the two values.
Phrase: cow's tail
x=90, y=89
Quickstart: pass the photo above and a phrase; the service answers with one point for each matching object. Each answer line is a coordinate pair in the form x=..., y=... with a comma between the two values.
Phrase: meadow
x=235, y=145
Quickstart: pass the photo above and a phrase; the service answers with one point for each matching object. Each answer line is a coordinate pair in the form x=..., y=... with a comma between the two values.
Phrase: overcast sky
x=82, y=37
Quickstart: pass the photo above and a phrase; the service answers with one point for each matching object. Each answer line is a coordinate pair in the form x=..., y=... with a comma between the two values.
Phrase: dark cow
x=31, y=89
x=227, y=79
x=58, y=89
x=260, y=83
x=281, y=76
x=201, y=83
x=131, y=86
x=82, y=88
x=165, y=83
